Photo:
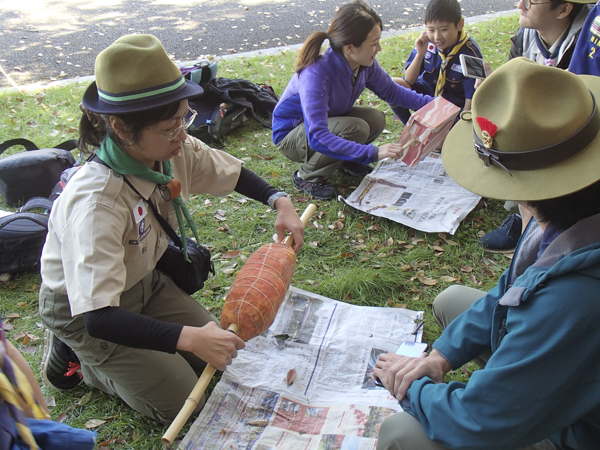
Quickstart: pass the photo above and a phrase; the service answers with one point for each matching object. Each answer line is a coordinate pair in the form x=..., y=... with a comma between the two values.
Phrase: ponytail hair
x=93, y=129
x=350, y=26
x=311, y=50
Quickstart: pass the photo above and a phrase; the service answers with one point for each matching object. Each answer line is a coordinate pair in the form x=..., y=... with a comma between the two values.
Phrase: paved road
x=44, y=40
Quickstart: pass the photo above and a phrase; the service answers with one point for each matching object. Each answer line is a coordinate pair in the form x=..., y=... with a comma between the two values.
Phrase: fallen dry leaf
x=448, y=279
x=428, y=281
x=93, y=423
x=258, y=423
x=291, y=376
x=231, y=254
x=466, y=269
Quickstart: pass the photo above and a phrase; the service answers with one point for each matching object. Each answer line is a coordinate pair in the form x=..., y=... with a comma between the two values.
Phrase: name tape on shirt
x=456, y=67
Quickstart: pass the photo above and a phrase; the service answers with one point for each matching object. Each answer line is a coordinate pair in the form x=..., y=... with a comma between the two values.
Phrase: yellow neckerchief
x=439, y=86
x=14, y=383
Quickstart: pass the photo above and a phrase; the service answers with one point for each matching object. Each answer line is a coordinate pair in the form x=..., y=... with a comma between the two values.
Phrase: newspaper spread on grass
x=423, y=197
x=332, y=402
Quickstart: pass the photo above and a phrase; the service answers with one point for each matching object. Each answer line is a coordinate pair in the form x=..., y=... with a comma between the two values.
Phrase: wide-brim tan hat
x=136, y=74
x=546, y=144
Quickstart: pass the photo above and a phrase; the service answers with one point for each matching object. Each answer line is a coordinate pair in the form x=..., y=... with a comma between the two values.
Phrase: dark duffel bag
x=32, y=173
x=22, y=237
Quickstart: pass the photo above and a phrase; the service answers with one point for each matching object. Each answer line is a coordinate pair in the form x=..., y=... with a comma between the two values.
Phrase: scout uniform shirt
x=586, y=57
x=457, y=88
x=103, y=238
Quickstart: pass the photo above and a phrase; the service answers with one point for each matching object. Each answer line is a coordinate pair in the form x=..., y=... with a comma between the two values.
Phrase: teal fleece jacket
x=542, y=322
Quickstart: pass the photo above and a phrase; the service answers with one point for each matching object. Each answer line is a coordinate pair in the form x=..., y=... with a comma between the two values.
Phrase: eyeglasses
x=529, y=3
x=186, y=124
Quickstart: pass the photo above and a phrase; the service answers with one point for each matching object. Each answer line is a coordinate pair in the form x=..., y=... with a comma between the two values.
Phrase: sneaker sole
x=48, y=347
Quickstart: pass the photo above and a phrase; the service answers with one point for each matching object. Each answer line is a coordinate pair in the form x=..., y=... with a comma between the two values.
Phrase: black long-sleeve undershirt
x=130, y=329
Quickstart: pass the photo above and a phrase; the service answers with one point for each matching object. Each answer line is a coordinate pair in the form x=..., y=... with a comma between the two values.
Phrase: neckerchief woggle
x=550, y=58
x=439, y=86
x=122, y=163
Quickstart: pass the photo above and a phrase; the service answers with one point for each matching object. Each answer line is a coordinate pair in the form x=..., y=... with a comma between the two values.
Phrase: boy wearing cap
x=548, y=30
x=548, y=34
x=536, y=332
x=433, y=67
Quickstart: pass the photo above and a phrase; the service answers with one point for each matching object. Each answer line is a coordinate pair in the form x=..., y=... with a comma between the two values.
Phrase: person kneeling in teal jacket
x=535, y=334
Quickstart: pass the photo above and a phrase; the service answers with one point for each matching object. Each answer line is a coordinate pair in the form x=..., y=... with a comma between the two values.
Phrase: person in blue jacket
x=585, y=60
x=315, y=121
x=536, y=332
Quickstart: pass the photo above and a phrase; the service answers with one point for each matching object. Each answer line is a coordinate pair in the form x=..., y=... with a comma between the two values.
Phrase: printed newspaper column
x=426, y=130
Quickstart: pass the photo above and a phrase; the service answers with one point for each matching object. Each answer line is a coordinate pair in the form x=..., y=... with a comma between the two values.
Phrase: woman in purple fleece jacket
x=316, y=123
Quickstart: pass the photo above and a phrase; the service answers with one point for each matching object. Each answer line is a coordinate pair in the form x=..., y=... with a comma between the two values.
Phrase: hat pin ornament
x=488, y=131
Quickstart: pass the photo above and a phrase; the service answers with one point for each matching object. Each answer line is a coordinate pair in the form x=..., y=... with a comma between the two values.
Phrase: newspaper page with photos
x=332, y=402
x=422, y=197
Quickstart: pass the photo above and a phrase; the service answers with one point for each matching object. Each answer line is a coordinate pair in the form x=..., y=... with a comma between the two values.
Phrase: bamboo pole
x=194, y=398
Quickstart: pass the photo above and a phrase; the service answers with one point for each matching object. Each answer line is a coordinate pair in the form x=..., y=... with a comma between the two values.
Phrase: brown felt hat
x=531, y=134
x=135, y=74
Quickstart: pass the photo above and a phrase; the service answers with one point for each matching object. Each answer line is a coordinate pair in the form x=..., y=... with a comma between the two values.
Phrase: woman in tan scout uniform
x=134, y=332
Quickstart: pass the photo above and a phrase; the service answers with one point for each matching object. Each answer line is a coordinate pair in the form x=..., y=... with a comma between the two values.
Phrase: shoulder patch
x=474, y=48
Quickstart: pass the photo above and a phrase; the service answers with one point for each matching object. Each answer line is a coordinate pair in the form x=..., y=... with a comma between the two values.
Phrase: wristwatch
x=275, y=196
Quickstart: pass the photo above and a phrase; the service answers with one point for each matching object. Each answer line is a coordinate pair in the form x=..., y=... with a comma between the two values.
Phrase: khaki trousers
x=362, y=124
x=155, y=384
x=402, y=431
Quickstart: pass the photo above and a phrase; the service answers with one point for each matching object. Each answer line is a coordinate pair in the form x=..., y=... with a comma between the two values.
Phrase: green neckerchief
x=463, y=37
x=122, y=163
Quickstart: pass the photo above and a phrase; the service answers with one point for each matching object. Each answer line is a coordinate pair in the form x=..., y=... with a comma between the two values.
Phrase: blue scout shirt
x=585, y=60
x=457, y=87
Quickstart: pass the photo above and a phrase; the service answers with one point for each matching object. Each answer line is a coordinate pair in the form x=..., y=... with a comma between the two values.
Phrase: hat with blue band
x=136, y=74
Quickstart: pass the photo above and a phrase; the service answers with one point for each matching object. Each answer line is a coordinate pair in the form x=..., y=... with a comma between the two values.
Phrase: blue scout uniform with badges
x=585, y=60
x=458, y=88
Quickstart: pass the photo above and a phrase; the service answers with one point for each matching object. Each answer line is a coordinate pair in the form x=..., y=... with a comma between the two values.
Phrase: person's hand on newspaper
x=393, y=151
x=398, y=372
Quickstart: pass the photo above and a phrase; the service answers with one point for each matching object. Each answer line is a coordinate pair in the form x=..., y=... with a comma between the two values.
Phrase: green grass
x=369, y=261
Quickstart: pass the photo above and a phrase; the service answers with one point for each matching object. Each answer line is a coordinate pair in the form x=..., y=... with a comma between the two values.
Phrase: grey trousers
x=362, y=124
x=402, y=431
x=155, y=384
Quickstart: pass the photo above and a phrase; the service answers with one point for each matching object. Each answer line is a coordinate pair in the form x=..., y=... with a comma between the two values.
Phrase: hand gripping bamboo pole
x=250, y=308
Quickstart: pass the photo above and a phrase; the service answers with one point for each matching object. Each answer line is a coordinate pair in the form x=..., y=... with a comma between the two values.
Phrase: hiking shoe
x=61, y=368
x=505, y=238
x=355, y=169
x=320, y=190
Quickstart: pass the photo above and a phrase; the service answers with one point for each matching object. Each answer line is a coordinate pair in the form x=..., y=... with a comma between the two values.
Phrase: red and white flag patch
x=139, y=211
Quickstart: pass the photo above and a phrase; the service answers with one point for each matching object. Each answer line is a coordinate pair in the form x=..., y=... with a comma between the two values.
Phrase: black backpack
x=23, y=233
x=225, y=103
x=22, y=236
x=32, y=173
